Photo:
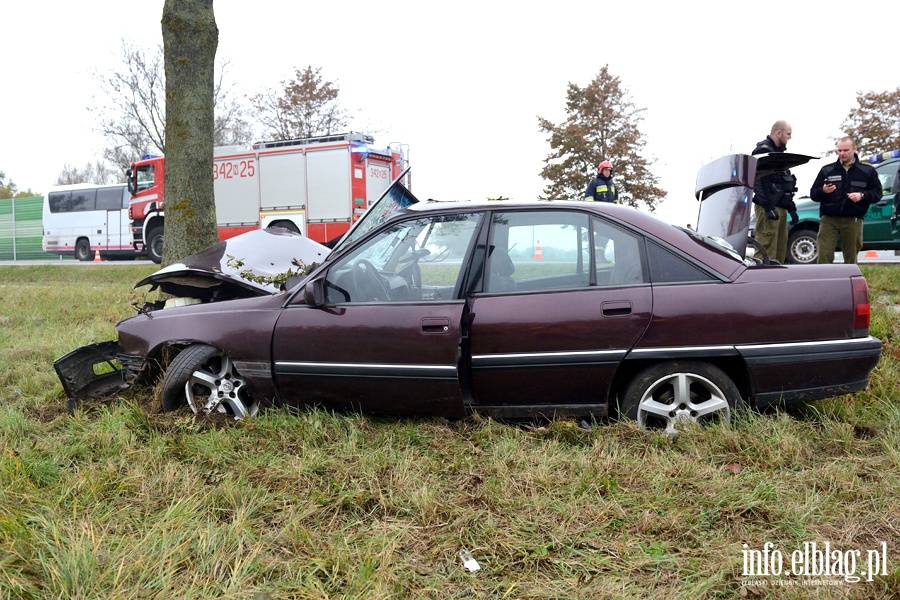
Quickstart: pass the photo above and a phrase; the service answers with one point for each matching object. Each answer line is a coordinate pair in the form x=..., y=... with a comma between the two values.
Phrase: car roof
x=627, y=216
x=619, y=212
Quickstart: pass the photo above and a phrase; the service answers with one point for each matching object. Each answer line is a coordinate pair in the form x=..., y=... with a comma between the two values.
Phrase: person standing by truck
x=844, y=190
x=773, y=196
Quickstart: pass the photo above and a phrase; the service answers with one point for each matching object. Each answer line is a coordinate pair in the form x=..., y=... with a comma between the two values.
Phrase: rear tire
x=155, y=244
x=205, y=379
x=672, y=393
x=83, y=250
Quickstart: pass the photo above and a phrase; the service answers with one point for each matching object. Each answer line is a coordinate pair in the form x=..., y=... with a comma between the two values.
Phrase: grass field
x=121, y=501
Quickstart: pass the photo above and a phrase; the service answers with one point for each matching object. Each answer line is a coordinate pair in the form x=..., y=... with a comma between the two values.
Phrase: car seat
x=500, y=271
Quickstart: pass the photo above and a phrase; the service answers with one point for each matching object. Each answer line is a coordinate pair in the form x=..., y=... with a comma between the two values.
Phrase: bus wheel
x=155, y=244
x=83, y=250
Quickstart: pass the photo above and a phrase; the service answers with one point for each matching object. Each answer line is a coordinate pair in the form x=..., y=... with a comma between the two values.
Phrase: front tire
x=205, y=379
x=155, y=244
x=802, y=247
x=670, y=394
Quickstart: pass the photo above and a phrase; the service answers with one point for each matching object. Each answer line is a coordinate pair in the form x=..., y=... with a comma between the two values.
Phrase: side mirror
x=314, y=292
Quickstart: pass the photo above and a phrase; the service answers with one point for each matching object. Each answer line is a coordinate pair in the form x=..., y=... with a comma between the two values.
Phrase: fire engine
x=314, y=186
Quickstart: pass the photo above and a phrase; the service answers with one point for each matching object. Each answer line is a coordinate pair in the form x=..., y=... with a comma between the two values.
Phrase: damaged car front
x=207, y=283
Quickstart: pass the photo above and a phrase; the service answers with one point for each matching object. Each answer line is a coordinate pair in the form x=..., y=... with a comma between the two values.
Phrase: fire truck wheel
x=83, y=250
x=289, y=225
x=155, y=244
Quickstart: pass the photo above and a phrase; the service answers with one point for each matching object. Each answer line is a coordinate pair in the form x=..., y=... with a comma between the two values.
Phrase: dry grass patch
x=119, y=500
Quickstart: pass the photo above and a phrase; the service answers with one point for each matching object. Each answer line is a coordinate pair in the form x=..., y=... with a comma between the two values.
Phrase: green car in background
x=880, y=229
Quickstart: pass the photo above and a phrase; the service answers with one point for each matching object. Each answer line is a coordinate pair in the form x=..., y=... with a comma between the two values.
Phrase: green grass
x=120, y=501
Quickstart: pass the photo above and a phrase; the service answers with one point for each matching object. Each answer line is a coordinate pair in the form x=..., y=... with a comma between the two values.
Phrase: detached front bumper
x=96, y=371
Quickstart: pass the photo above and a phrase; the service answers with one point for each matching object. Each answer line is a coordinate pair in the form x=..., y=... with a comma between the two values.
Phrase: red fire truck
x=315, y=186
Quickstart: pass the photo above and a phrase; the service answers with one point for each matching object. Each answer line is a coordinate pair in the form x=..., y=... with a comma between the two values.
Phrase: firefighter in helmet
x=601, y=188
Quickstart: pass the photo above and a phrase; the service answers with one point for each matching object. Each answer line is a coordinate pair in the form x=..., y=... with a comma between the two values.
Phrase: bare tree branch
x=131, y=112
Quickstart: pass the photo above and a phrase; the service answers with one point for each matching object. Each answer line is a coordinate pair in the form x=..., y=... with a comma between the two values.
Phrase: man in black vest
x=601, y=188
x=844, y=191
x=773, y=197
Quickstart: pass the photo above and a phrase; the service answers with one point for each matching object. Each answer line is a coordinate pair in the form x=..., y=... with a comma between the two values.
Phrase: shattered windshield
x=714, y=242
x=395, y=198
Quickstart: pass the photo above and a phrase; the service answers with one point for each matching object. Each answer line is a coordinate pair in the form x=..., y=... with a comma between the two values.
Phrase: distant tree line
x=131, y=112
x=8, y=189
x=602, y=123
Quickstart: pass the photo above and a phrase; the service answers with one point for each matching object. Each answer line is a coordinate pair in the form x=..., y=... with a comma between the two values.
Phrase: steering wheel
x=411, y=270
x=415, y=255
x=761, y=249
x=439, y=256
x=367, y=282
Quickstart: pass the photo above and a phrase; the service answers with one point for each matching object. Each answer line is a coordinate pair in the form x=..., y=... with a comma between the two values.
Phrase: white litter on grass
x=468, y=561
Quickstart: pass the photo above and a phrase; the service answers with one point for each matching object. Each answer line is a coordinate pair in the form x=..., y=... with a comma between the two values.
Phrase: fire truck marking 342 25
x=315, y=186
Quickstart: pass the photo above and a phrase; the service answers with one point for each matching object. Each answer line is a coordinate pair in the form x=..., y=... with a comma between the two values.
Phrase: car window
x=538, y=250
x=666, y=267
x=415, y=260
x=618, y=255
x=555, y=250
x=887, y=173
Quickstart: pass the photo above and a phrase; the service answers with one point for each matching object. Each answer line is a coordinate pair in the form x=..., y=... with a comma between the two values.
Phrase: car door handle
x=616, y=309
x=435, y=325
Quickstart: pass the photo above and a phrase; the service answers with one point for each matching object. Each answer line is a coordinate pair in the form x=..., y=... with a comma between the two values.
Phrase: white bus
x=83, y=218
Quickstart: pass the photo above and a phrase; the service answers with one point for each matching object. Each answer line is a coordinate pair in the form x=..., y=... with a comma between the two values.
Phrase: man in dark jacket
x=601, y=188
x=773, y=197
x=844, y=191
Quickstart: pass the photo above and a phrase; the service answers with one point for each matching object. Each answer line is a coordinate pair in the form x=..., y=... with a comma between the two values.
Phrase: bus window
x=109, y=198
x=59, y=201
x=83, y=200
x=73, y=201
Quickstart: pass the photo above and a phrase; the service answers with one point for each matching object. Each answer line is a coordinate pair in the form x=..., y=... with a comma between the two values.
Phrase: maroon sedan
x=513, y=309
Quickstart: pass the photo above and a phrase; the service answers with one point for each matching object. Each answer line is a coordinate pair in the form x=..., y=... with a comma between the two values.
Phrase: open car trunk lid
x=725, y=191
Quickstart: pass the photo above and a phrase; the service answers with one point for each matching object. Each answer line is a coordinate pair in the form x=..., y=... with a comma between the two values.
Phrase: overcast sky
x=462, y=83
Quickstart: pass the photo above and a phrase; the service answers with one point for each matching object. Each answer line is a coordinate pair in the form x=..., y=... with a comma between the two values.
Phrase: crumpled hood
x=216, y=270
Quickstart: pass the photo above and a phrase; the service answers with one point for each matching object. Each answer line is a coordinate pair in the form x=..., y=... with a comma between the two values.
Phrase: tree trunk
x=190, y=38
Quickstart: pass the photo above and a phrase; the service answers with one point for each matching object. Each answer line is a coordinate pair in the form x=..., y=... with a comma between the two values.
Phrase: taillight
x=862, y=310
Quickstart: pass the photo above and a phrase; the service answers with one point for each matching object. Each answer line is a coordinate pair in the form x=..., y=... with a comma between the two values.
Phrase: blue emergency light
x=877, y=158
